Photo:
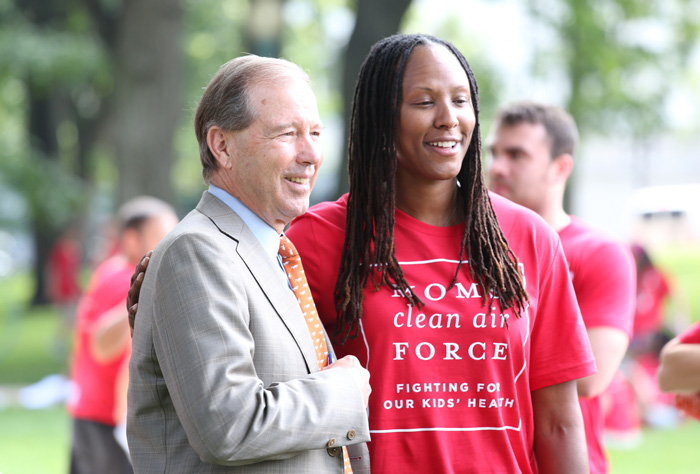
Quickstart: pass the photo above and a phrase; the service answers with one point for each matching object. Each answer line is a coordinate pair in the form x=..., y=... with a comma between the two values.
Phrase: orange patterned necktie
x=295, y=273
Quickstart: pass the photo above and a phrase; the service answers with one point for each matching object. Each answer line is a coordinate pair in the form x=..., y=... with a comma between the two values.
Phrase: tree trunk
x=147, y=101
x=375, y=20
x=263, y=35
x=42, y=136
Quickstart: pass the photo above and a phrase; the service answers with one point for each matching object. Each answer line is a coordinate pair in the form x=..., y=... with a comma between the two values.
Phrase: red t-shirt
x=691, y=335
x=94, y=391
x=450, y=381
x=603, y=275
x=64, y=272
x=652, y=290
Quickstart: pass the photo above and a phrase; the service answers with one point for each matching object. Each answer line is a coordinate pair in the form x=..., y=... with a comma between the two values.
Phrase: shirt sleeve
x=605, y=285
x=560, y=350
x=691, y=335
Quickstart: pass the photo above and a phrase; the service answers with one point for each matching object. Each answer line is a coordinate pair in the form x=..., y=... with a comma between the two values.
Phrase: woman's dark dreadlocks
x=369, y=239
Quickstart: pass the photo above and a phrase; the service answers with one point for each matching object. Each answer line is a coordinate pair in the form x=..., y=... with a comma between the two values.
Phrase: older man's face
x=276, y=159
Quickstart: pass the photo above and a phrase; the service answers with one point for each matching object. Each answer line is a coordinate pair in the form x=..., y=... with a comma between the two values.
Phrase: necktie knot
x=287, y=248
x=290, y=260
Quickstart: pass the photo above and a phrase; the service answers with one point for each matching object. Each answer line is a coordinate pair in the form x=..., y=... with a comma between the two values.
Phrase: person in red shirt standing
x=421, y=272
x=63, y=283
x=652, y=291
x=531, y=159
x=102, y=342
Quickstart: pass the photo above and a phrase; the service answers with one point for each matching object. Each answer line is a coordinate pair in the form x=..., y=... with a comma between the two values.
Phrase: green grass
x=672, y=451
x=28, y=336
x=31, y=441
x=34, y=442
x=682, y=265
x=27, y=347
x=39, y=441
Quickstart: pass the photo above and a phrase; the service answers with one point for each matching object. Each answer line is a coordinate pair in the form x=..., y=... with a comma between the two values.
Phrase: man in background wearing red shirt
x=532, y=148
x=102, y=342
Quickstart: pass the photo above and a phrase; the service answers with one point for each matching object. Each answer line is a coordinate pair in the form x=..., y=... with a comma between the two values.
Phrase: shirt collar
x=266, y=235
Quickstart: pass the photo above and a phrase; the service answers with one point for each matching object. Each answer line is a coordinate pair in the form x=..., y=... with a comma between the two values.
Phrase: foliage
x=41, y=61
x=59, y=59
x=213, y=35
x=619, y=58
x=52, y=194
x=51, y=56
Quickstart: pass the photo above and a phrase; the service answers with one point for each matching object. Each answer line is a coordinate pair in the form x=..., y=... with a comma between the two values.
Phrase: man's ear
x=216, y=140
x=129, y=242
x=564, y=164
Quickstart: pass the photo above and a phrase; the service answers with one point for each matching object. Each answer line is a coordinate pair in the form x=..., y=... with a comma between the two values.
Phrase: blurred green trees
x=619, y=58
x=97, y=96
x=51, y=81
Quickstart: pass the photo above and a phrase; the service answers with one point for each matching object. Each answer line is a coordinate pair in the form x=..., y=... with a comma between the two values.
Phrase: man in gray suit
x=223, y=372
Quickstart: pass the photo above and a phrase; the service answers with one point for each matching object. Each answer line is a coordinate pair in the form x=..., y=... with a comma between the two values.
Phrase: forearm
x=609, y=346
x=679, y=370
x=121, y=387
x=560, y=442
x=110, y=334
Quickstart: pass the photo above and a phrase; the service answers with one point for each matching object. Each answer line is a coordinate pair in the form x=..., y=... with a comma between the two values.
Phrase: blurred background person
x=102, y=342
x=63, y=283
x=634, y=398
x=653, y=291
x=655, y=324
x=532, y=148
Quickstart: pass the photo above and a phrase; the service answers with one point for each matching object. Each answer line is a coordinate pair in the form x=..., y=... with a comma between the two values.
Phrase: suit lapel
x=268, y=276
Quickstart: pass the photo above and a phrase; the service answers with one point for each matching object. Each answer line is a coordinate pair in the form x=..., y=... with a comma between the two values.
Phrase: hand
x=359, y=374
x=132, y=298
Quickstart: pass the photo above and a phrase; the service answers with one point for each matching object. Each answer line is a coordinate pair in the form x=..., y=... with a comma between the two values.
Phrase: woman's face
x=437, y=118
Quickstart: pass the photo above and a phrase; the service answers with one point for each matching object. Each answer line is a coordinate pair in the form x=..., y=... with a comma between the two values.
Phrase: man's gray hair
x=226, y=100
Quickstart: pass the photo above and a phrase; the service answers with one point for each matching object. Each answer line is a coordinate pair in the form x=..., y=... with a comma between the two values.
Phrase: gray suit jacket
x=223, y=373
